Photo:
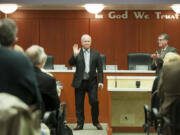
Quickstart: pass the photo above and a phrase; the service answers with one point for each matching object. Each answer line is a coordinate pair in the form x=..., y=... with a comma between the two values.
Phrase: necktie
x=86, y=58
x=162, y=53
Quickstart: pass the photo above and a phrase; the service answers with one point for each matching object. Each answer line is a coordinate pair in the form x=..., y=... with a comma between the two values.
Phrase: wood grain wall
x=57, y=31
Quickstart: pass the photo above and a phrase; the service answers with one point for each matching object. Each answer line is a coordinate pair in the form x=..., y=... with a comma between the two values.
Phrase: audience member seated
x=18, y=48
x=58, y=87
x=17, y=74
x=15, y=117
x=46, y=83
x=169, y=86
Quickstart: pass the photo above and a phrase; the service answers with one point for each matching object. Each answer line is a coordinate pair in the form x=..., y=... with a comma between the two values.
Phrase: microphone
x=115, y=68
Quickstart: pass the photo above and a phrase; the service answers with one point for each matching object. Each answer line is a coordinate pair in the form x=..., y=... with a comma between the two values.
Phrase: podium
x=127, y=96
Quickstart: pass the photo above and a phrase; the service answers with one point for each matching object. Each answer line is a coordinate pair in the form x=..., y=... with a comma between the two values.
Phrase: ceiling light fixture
x=176, y=8
x=94, y=8
x=8, y=8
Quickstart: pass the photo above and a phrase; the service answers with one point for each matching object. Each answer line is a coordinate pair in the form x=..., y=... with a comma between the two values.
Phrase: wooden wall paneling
x=52, y=38
x=127, y=35
x=2, y=15
x=149, y=32
x=74, y=29
x=115, y=39
x=28, y=32
x=103, y=38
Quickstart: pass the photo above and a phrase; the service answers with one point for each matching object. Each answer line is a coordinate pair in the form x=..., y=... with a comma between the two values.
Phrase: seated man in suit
x=17, y=76
x=46, y=83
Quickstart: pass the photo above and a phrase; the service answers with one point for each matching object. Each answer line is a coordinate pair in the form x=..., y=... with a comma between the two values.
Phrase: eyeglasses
x=161, y=39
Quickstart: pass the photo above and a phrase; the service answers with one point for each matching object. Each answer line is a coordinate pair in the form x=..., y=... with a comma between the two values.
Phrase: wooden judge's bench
x=120, y=102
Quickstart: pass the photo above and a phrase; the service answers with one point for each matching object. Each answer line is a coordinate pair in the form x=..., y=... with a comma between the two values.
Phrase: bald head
x=37, y=55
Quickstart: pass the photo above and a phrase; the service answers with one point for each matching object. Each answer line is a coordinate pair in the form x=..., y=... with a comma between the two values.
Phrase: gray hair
x=171, y=57
x=36, y=54
x=84, y=36
x=165, y=36
x=8, y=31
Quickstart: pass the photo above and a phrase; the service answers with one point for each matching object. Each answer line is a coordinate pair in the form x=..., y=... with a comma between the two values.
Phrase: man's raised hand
x=76, y=50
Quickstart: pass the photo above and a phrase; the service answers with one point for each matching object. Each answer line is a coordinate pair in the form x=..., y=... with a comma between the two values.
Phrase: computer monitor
x=139, y=61
x=103, y=58
x=49, y=62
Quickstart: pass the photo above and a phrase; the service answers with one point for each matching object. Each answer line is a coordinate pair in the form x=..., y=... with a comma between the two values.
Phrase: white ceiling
x=107, y=7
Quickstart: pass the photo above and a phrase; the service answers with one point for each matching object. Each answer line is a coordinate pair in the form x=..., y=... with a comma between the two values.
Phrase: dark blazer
x=95, y=64
x=47, y=87
x=169, y=86
x=157, y=65
x=17, y=76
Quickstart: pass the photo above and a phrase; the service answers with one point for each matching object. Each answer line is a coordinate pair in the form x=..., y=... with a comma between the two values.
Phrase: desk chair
x=171, y=120
x=150, y=119
x=49, y=62
x=55, y=120
x=139, y=59
x=147, y=123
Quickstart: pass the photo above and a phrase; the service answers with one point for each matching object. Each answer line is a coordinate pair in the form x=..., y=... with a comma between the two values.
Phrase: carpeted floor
x=89, y=129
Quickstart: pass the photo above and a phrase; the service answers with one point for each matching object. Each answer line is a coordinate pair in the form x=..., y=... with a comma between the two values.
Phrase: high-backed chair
x=56, y=120
x=139, y=60
x=103, y=58
x=49, y=62
x=147, y=123
x=171, y=121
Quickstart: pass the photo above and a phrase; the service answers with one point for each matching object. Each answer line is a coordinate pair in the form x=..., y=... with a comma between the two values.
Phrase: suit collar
x=88, y=50
x=91, y=57
x=36, y=69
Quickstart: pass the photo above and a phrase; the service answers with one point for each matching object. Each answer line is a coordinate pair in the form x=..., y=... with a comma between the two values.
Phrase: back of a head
x=15, y=116
x=171, y=57
x=36, y=54
x=18, y=48
x=8, y=31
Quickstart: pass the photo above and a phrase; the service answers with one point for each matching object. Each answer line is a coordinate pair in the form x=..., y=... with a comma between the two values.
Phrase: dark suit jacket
x=169, y=86
x=157, y=65
x=17, y=76
x=47, y=87
x=95, y=64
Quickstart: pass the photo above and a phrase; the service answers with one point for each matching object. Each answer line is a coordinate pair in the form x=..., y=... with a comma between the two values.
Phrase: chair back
x=49, y=62
x=139, y=61
x=175, y=117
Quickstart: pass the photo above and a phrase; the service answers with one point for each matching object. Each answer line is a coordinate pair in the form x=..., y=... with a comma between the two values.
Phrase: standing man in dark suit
x=46, y=83
x=87, y=61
